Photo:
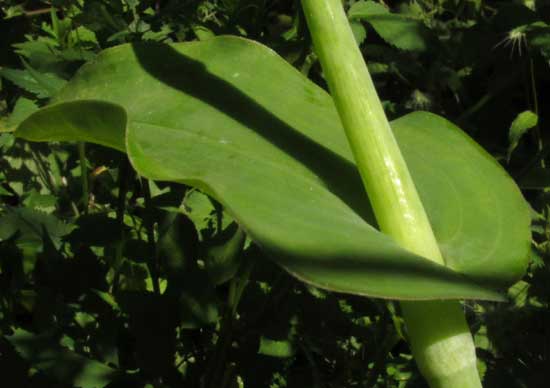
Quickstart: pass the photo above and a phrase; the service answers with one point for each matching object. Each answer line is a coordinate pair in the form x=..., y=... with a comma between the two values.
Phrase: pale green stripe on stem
x=439, y=336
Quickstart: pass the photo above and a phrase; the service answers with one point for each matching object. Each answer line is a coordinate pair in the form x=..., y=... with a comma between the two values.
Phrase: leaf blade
x=288, y=179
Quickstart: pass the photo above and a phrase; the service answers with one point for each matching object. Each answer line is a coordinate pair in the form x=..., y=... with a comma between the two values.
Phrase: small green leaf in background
x=222, y=254
x=30, y=225
x=359, y=31
x=60, y=363
x=365, y=9
x=276, y=348
x=23, y=108
x=43, y=85
x=41, y=202
x=25, y=81
x=400, y=31
x=13, y=11
x=203, y=33
x=521, y=124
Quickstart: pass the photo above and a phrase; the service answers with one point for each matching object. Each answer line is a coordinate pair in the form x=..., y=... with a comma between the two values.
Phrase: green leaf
x=276, y=348
x=13, y=11
x=31, y=224
x=50, y=82
x=365, y=9
x=97, y=122
x=538, y=36
x=43, y=85
x=41, y=53
x=22, y=109
x=275, y=155
x=202, y=32
x=83, y=36
x=200, y=209
x=221, y=240
x=222, y=256
x=398, y=30
x=24, y=80
x=41, y=202
x=3, y=191
x=359, y=31
x=56, y=361
x=521, y=124
x=188, y=284
x=478, y=214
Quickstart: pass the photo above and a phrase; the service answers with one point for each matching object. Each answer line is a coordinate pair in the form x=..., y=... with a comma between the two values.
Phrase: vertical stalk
x=538, y=136
x=123, y=179
x=219, y=369
x=84, y=176
x=439, y=335
x=150, y=228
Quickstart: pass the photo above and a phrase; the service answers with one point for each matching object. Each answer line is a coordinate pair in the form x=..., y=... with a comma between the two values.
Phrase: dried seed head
x=517, y=39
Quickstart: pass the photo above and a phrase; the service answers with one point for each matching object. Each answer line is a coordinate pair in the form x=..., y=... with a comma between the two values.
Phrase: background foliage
x=108, y=279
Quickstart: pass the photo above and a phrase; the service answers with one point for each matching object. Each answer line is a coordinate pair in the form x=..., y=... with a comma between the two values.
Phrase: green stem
x=123, y=181
x=150, y=229
x=538, y=136
x=84, y=175
x=218, y=365
x=487, y=98
x=390, y=339
x=439, y=336
x=477, y=106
